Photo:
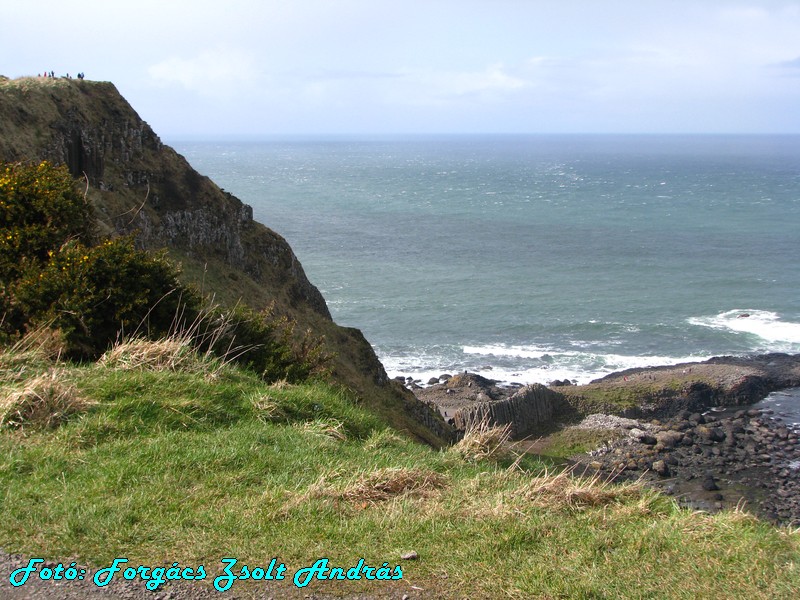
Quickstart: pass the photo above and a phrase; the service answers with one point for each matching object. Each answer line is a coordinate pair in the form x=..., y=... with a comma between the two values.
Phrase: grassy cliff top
x=27, y=82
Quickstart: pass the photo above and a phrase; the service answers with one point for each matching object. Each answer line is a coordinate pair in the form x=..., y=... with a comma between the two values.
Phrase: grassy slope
x=180, y=466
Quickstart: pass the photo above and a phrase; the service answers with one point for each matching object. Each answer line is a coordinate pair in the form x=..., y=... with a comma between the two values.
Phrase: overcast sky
x=274, y=67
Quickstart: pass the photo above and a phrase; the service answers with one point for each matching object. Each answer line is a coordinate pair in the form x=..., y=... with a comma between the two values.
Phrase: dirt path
x=119, y=589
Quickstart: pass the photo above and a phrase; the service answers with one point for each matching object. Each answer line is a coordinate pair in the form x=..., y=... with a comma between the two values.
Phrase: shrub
x=39, y=211
x=265, y=343
x=53, y=275
x=93, y=294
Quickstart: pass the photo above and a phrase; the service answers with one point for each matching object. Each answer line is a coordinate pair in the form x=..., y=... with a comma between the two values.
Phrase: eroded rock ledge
x=468, y=399
x=661, y=392
x=654, y=392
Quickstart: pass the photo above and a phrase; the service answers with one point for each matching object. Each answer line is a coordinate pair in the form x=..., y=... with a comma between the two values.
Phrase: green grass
x=172, y=466
x=570, y=441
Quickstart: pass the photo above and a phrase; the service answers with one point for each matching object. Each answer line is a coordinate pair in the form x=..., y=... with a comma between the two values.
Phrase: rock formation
x=469, y=399
x=663, y=391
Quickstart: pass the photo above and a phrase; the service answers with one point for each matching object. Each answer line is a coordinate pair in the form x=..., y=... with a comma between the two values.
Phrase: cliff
x=138, y=184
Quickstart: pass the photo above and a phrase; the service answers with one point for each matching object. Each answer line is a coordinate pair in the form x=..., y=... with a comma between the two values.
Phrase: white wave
x=522, y=364
x=516, y=351
x=764, y=324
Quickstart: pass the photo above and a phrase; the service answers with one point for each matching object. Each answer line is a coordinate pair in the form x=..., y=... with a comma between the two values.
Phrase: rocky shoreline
x=745, y=458
x=662, y=427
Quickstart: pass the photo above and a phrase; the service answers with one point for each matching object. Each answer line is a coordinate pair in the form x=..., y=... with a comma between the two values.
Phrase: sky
x=230, y=68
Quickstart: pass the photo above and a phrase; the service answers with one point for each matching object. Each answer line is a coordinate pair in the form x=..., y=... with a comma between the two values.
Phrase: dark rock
x=560, y=383
x=712, y=434
x=697, y=418
x=669, y=439
x=661, y=468
x=709, y=483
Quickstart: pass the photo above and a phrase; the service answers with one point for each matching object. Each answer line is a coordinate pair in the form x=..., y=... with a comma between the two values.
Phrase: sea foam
x=778, y=334
x=509, y=364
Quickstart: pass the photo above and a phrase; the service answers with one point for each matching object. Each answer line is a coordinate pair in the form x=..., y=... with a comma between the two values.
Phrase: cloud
x=432, y=86
x=216, y=72
x=790, y=64
x=340, y=74
x=494, y=79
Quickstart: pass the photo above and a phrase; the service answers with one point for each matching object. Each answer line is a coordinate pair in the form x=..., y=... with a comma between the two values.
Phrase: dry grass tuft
x=483, y=442
x=369, y=488
x=281, y=384
x=392, y=482
x=565, y=489
x=167, y=354
x=34, y=353
x=44, y=342
x=332, y=429
x=45, y=402
x=179, y=350
x=266, y=408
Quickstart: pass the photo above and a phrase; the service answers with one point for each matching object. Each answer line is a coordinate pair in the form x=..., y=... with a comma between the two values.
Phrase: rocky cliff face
x=139, y=185
x=467, y=400
x=524, y=410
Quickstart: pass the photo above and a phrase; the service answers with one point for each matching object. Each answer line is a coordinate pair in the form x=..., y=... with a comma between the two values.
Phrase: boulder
x=661, y=468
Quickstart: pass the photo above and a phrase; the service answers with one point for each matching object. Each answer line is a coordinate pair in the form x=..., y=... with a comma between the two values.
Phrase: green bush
x=39, y=211
x=52, y=272
x=53, y=275
x=95, y=294
x=263, y=342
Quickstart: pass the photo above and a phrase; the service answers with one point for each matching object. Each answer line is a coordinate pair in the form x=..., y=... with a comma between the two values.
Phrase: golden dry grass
x=371, y=487
x=565, y=489
x=168, y=354
x=484, y=442
x=266, y=408
x=33, y=353
x=385, y=484
x=44, y=402
x=330, y=428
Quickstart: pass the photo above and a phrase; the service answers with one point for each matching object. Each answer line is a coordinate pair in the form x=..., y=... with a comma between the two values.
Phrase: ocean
x=535, y=258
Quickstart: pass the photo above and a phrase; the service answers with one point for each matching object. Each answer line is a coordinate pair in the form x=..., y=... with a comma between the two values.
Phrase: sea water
x=535, y=258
